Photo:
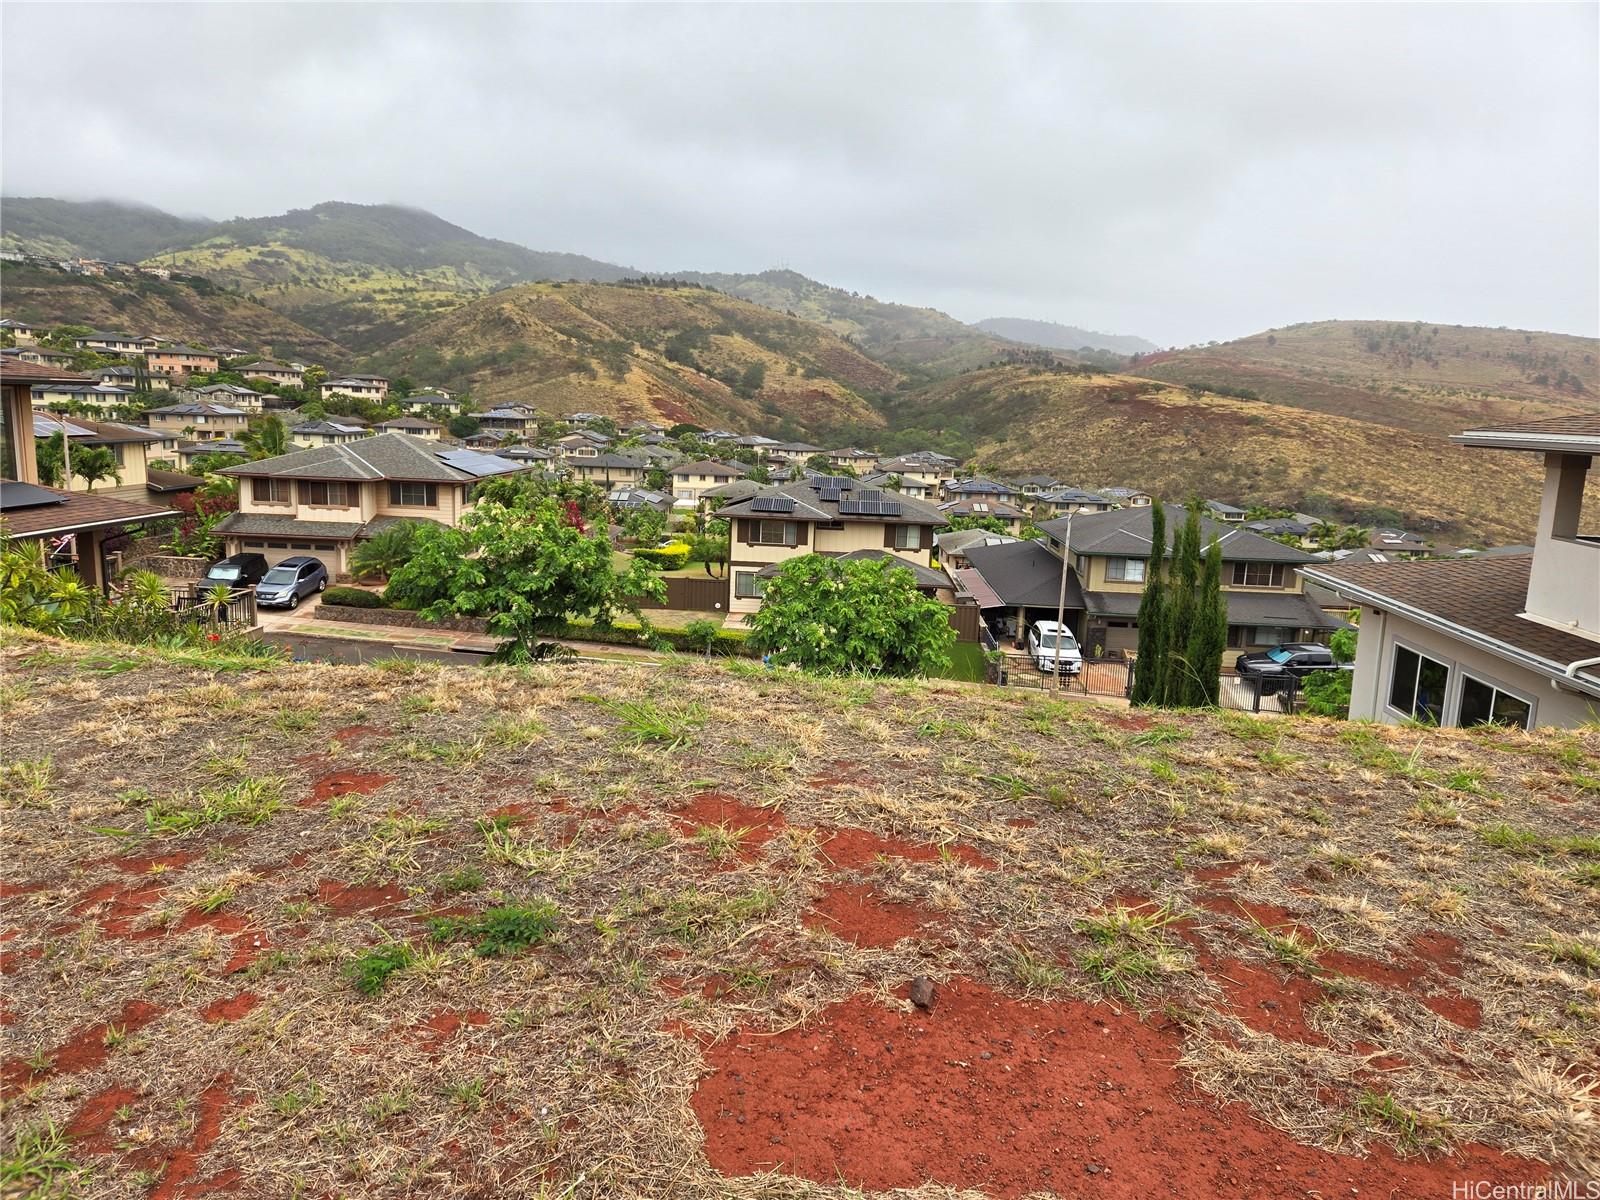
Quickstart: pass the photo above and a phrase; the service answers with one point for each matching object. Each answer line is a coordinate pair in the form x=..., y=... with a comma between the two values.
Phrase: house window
x=420, y=495
x=269, y=491
x=747, y=585
x=775, y=533
x=1125, y=570
x=331, y=495
x=1417, y=684
x=1240, y=636
x=908, y=537
x=1485, y=704
x=1249, y=574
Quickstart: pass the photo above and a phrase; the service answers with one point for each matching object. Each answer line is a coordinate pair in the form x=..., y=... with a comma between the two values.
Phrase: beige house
x=327, y=433
x=232, y=394
x=780, y=523
x=130, y=446
x=1497, y=639
x=359, y=387
x=691, y=480
x=273, y=372
x=80, y=392
x=324, y=501
x=23, y=333
x=607, y=470
x=415, y=426
x=1011, y=518
x=858, y=460
x=110, y=343
x=200, y=420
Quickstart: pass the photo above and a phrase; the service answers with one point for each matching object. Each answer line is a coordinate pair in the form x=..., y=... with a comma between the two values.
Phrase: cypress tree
x=1178, y=676
x=1148, y=672
x=1209, y=637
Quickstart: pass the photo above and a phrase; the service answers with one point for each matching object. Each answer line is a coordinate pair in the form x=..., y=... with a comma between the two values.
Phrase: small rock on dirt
x=922, y=993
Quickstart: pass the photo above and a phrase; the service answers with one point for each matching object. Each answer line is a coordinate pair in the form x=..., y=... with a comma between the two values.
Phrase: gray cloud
x=1182, y=172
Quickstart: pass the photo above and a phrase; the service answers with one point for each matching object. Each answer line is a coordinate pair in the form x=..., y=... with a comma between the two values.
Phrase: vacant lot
x=610, y=931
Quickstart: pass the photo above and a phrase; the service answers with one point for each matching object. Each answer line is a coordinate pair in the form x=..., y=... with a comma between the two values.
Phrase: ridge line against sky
x=1178, y=173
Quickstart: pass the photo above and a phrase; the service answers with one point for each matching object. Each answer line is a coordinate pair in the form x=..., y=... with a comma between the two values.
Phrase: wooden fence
x=966, y=620
x=688, y=593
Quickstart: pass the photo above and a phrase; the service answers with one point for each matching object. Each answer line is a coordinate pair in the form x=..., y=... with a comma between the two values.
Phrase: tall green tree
x=850, y=616
x=93, y=464
x=1182, y=597
x=1208, y=636
x=267, y=437
x=1150, y=666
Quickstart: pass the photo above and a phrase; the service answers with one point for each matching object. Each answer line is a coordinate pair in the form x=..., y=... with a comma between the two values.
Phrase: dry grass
x=557, y=1058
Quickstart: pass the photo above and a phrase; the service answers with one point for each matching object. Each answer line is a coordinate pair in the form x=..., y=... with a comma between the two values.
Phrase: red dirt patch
x=183, y=1162
x=1269, y=916
x=347, y=899
x=86, y=1048
x=1267, y=1003
x=1130, y=721
x=1455, y=1008
x=858, y=849
x=88, y=1128
x=437, y=1028
x=715, y=808
x=1438, y=950
x=1387, y=973
x=140, y=864
x=230, y=1008
x=353, y=733
x=344, y=783
x=857, y=913
x=1010, y=1097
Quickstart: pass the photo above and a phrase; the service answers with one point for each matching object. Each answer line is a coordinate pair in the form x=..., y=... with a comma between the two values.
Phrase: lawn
x=609, y=930
x=966, y=662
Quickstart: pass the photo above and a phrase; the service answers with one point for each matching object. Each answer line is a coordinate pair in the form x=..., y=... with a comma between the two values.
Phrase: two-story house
x=106, y=342
x=979, y=488
x=608, y=470
x=906, y=485
x=232, y=394
x=1110, y=563
x=326, y=500
x=415, y=426
x=86, y=393
x=1510, y=639
x=23, y=333
x=273, y=372
x=327, y=433
x=1127, y=497
x=421, y=402
x=131, y=378
x=1062, y=501
x=691, y=480
x=793, y=453
x=199, y=419
x=179, y=359
x=1011, y=518
x=130, y=446
x=920, y=476
x=823, y=515
x=852, y=458
x=585, y=443
x=516, y=420
x=358, y=387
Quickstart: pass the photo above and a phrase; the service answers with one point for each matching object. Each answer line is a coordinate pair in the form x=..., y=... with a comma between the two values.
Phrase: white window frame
x=908, y=537
x=1463, y=674
x=785, y=538
x=1122, y=575
x=757, y=585
x=1446, y=701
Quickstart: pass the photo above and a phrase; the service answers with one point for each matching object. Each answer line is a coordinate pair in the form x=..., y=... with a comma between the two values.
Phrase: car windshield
x=279, y=575
x=223, y=571
x=1279, y=655
x=1051, y=640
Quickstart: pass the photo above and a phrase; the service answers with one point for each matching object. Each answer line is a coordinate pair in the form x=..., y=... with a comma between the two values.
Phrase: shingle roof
x=978, y=507
x=1577, y=434
x=386, y=456
x=926, y=577
x=1025, y=573
x=71, y=510
x=1481, y=596
x=619, y=461
x=271, y=525
x=1283, y=610
x=809, y=505
x=196, y=408
x=707, y=466
x=980, y=486
x=971, y=585
x=404, y=423
x=1126, y=532
x=94, y=433
x=957, y=540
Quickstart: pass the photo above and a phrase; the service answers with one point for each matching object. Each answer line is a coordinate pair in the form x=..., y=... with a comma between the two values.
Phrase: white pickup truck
x=1053, y=648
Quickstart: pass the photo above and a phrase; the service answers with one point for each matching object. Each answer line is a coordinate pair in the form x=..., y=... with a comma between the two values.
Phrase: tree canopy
x=847, y=616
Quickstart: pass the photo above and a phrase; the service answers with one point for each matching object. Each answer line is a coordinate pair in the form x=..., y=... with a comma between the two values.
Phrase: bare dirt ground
x=606, y=930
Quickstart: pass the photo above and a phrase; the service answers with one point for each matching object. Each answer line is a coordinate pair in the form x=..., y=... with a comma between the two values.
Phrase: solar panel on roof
x=830, y=495
x=772, y=504
x=834, y=483
x=16, y=496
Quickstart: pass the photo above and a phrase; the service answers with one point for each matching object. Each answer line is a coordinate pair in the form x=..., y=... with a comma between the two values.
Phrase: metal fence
x=1099, y=676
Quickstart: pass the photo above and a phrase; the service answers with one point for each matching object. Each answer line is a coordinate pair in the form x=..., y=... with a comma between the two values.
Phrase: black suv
x=235, y=571
x=1273, y=667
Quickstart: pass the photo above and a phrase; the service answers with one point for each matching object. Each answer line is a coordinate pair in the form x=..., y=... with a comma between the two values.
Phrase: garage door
x=1121, y=635
x=276, y=551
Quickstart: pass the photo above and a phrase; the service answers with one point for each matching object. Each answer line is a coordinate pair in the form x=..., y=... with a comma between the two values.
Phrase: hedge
x=666, y=558
x=727, y=642
x=351, y=597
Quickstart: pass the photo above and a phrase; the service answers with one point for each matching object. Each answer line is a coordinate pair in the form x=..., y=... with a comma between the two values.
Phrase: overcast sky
x=1179, y=172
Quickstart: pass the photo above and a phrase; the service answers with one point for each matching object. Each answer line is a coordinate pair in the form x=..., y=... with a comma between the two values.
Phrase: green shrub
x=727, y=641
x=371, y=971
x=351, y=597
x=700, y=635
x=665, y=558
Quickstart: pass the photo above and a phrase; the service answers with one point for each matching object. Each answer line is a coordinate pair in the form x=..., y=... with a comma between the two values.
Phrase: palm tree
x=268, y=437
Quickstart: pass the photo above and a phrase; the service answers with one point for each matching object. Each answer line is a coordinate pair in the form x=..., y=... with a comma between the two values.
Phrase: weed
x=293, y=1103
x=1293, y=948
x=389, y=1104
x=1413, y=1130
x=720, y=842
x=1570, y=950
x=670, y=725
x=371, y=971
x=467, y=879
x=468, y=1095
x=249, y=802
x=1128, y=947
x=502, y=930
x=26, y=783
x=1035, y=972
x=37, y=1164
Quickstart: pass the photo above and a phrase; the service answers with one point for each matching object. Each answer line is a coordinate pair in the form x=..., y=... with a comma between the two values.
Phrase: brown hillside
x=172, y=309
x=678, y=354
x=1108, y=430
x=1406, y=375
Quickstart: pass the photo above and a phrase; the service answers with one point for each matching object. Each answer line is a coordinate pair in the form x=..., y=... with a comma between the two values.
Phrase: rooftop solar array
x=833, y=483
x=870, y=504
x=772, y=504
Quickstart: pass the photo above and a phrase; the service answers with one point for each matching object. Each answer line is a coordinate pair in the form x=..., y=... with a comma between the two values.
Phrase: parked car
x=1291, y=660
x=1053, y=648
x=291, y=581
x=235, y=571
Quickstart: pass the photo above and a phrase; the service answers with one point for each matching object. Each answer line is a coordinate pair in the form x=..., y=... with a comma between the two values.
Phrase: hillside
x=1112, y=430
x=365, y=275
x=923, y=342
x=1063, y=337
x=195, y=312
x=108, y=229
x=632, y=352
x=603, y=930
x=1429, y=378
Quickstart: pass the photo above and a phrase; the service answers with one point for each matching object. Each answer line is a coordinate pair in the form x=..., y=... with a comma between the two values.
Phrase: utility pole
x=1061, y=597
